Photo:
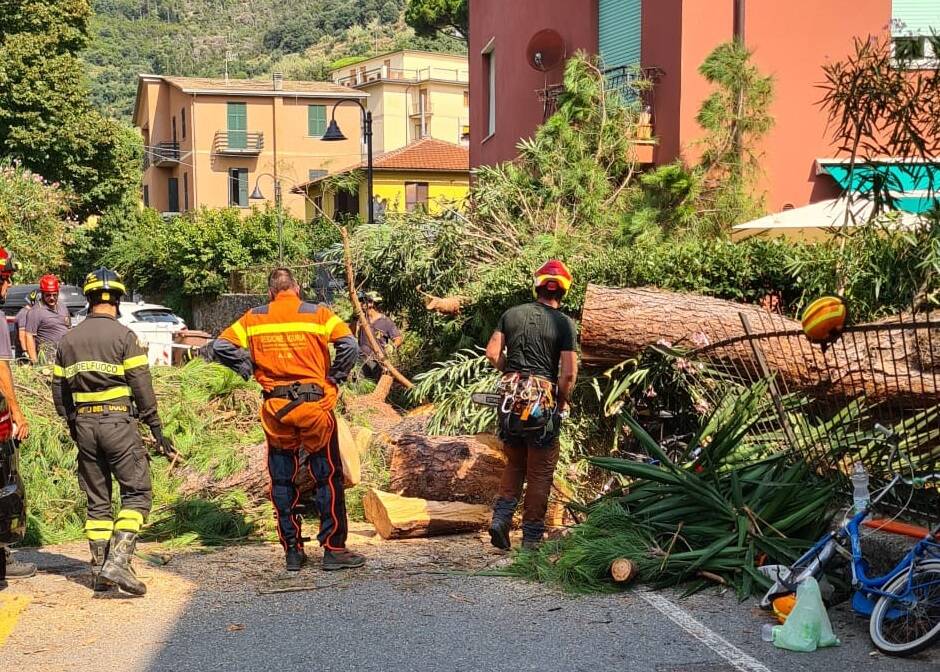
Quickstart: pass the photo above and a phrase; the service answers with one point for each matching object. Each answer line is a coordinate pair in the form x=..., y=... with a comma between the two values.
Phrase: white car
x=146, y=318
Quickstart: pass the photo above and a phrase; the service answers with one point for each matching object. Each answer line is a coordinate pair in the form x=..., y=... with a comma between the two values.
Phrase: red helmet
x=49, y=284
x=7, y=264
x=553, y=275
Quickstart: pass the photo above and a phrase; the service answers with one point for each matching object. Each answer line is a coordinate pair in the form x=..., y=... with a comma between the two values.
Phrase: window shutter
x=237, y=125
x=915, y=17
x=243, y=187
x=316, y=120
x=620, y=32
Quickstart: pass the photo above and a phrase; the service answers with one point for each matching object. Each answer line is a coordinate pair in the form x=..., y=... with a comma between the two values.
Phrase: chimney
x=278, y=81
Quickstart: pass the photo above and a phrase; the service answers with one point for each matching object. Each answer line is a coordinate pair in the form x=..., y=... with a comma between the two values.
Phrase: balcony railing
x=418, y=109
x=238, y=143
x=383, y=73
x=162, y=155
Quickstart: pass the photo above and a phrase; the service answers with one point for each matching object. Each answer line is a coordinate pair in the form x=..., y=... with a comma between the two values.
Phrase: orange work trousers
x=310, y=425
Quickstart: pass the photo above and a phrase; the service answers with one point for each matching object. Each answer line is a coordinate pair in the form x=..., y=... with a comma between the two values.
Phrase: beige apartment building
x=413, y=95
x=210, y=141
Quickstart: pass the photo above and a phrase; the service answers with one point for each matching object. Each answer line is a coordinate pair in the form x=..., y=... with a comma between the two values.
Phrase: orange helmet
x=49, y=284
x=553, y=275
x=7, y=265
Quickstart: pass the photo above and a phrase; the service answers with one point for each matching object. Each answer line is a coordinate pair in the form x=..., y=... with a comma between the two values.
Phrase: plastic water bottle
x=860, y=494
x=768, y=631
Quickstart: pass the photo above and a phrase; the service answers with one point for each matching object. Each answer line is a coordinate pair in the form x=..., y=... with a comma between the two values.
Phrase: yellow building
x=427, y=174
x=208, y=140
x=413, y=95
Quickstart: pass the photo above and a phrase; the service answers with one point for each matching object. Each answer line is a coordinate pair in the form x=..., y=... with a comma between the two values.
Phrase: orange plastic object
x=783, y=605
x=895, y=527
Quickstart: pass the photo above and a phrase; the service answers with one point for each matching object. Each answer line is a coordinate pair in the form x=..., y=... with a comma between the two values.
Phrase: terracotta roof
x=258, y=86
x=425, y=155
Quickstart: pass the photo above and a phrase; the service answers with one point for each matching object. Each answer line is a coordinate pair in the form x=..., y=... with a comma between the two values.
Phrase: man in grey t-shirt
x=47, y=322
x=19, y=324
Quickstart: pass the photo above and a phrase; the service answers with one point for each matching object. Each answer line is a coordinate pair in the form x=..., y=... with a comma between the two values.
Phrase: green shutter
x=915, y=17
x=243, y=187
x=316, y=120
x=619, y=32
x=237, y=126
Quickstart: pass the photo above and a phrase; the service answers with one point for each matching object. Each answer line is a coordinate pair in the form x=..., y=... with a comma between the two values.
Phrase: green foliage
x=429, y=17
x=735, y=117
x=34, y=221
x=46, y=120
x=449, y=385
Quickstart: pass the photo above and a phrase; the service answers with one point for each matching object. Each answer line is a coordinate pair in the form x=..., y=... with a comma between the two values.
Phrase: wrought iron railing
x=632, y=84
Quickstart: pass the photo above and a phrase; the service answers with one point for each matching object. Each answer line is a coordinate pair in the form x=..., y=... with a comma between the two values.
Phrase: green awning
x=914, y=186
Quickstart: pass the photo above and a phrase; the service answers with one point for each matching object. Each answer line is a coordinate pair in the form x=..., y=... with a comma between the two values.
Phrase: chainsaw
x=490, y=399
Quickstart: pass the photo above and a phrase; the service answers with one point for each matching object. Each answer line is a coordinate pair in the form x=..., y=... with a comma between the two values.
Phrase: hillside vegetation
x=301, y=38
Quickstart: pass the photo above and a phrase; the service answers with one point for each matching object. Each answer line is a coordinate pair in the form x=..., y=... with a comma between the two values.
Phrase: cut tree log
x=447, y=468
x=882, y=363
x=622, y=570
x=396, y=517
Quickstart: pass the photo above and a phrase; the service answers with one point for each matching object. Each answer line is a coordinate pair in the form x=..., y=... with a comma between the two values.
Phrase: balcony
x=421, y=108
x=414, y=76
x=238, y=143
x=162, y=155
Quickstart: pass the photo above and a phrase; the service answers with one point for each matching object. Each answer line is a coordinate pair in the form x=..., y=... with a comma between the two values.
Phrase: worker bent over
x=534, y=347
x=285, y=344
x=100, y=371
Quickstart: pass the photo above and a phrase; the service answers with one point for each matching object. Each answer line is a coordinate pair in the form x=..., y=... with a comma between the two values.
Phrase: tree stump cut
x=396, y=517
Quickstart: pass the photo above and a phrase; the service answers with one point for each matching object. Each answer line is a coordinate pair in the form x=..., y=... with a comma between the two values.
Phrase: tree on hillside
x=428, y=17
x=46, y=120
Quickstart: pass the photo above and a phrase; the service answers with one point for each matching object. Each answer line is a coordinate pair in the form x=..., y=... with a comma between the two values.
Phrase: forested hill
x=301, y=38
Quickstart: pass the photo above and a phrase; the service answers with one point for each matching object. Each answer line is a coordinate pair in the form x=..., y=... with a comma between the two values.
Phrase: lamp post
x=333, y=133
x=256, y=195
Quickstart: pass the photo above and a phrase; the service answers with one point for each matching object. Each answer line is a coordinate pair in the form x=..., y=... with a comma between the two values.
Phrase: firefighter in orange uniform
x=285, y=345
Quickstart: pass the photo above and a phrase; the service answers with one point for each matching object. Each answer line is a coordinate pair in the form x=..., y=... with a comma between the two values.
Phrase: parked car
x=69, y=295
x=136, y=315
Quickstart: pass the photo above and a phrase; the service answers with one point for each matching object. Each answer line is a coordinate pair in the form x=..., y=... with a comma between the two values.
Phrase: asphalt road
x=415, y=608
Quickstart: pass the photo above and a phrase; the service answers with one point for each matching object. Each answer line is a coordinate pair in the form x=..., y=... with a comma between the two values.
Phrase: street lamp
x=256, y=195
x=333, y=134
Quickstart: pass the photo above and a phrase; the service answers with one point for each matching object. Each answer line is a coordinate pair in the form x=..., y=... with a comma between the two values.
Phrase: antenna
x=546, y=50
x=230, y=57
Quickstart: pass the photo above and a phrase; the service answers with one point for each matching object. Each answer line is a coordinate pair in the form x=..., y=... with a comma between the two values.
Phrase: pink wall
x=512, y=23
x=661, y=18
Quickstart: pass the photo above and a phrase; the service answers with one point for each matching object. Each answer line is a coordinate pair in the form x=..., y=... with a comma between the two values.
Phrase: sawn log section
x=884, y=361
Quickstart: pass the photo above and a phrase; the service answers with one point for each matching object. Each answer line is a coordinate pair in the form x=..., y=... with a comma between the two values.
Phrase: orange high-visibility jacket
x=288, y=341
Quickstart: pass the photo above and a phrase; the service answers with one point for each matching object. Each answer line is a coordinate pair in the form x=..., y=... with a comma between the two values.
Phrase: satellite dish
x=546, y=50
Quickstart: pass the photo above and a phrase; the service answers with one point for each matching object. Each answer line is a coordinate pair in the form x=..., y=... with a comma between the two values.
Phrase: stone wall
x=215, y=315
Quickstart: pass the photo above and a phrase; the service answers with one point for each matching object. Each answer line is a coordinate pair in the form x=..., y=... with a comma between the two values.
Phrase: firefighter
x=14, y=568
x=47, y=321
x=285, y=344
x=100, y=371
x=534, y=347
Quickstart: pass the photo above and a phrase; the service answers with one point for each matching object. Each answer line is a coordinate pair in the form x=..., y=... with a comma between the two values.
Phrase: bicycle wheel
x=908, y=621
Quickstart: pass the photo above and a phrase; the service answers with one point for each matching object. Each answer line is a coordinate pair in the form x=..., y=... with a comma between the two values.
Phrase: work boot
x=342, y=559
x=99, y=554
x=531, y=545
x=117, y=568
x=16, y=569
x=295, y=558
x=532, y=534
x=499, y=534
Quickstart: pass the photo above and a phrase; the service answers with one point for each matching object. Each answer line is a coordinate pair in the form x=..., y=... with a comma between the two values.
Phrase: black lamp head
x=332, y=132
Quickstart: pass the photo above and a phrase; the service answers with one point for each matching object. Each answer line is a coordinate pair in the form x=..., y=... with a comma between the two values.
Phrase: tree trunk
x=447, y=468
x=885, y=364
x=396, y=517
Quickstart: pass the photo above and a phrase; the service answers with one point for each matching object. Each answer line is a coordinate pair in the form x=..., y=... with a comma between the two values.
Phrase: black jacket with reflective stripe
x=101, y=362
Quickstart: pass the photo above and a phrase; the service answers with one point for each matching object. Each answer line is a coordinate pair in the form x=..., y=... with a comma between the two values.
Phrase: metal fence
x=825, y=401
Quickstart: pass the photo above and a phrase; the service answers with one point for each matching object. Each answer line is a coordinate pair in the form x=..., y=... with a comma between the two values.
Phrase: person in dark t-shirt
x=384, y=330
x=534, y=347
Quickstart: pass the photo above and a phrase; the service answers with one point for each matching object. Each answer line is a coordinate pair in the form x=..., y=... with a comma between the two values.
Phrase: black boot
x=295, y=558
x=532, y=534
x=341, y=559
x=117, y=568
x=99, y=554
x=16, y=569
x=502, y=523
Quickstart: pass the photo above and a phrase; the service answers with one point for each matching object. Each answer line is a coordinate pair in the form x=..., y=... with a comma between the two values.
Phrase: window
x=238, y=187
x=466, y=99
x=345, y=204
x=910, y=48
x=316, y=120
x=183, y=121
x=315, y=173
x=156, y=316
x=416, y=196
x=185, y=192
x=387, y=67
x=174, y=129
x=489, y=74
x=173, y=194
x=237, y=125
x=146, y=196
x=318, y=206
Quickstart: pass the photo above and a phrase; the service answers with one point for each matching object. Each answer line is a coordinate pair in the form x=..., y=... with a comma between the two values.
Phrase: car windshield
x=156, y=316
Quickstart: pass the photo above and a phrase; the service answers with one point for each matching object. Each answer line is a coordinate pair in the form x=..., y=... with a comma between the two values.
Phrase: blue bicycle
x=904, y=604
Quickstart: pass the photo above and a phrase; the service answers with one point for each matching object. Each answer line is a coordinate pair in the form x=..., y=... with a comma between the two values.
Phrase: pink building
x=791, y=41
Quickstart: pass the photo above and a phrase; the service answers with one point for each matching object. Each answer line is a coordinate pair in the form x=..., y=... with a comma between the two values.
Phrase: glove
x=164, y=447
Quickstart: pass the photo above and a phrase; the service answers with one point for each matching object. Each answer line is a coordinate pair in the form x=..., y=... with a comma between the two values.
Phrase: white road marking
x=718, y=644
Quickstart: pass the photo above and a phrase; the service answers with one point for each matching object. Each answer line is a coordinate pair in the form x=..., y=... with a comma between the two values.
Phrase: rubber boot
x=342, y=559
x=502, y=523
x=532, y=534
x=295, y=558
x=16, y=569
x=99, y=554
x=117, y=568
